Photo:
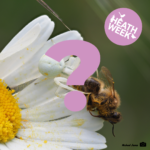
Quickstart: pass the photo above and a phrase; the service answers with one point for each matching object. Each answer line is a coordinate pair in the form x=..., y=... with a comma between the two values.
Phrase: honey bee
x=103, y=98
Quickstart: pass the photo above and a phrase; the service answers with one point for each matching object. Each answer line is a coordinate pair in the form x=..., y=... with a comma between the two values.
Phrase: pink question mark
x=90, y=60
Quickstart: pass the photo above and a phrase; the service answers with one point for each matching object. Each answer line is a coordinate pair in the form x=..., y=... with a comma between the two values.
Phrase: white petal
x=23, y=32
x=81, y=119
x=70, y=35
x=83, y=146
x=24, y=42
x=3, y=147
x=50, y=110
x=13, y=146
x=18, y=71
x=7, y=62
x=62, y=134
x=38, y=145
x=40, y=91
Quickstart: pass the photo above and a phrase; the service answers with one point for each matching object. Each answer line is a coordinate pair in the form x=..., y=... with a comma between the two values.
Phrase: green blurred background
x=129, y=65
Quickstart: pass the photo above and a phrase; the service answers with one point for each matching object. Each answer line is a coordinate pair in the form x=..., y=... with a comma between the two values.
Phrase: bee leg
x=97, y=74
x=94, y=115
x=89, y=102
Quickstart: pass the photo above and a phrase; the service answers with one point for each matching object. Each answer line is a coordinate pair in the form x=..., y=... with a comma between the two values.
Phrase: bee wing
x=106, y=77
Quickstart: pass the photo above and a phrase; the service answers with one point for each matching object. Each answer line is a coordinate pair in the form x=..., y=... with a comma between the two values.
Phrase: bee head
x=115, y=117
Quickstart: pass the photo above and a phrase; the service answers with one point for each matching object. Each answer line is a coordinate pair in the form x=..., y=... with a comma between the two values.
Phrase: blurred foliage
x=129, y=65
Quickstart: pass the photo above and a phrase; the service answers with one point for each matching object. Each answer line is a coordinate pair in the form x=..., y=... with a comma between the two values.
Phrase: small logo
x=132, y=145
x=123, y=26
x=142, y=144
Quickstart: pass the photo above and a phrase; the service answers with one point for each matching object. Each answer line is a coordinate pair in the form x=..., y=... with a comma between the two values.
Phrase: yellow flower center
x=10, y=116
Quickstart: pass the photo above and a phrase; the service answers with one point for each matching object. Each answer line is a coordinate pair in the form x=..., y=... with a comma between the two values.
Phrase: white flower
x=40, y=106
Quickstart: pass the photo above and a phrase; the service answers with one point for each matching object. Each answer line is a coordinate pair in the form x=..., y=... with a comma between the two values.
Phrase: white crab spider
x=51, y=68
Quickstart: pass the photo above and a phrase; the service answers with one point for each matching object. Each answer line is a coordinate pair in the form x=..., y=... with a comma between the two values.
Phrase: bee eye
x=116, y=115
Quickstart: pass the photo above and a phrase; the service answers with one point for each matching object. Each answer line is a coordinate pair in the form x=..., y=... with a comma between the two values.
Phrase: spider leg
x=57, y=93
x=61, y=82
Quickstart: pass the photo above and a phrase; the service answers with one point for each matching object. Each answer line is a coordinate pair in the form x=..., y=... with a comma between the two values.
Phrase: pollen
x=10, y=116
x=45, y=141
x=46, y=74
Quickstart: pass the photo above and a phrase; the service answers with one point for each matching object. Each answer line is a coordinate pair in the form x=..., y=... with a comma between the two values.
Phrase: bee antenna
x=113, y=130
x=50, y=10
